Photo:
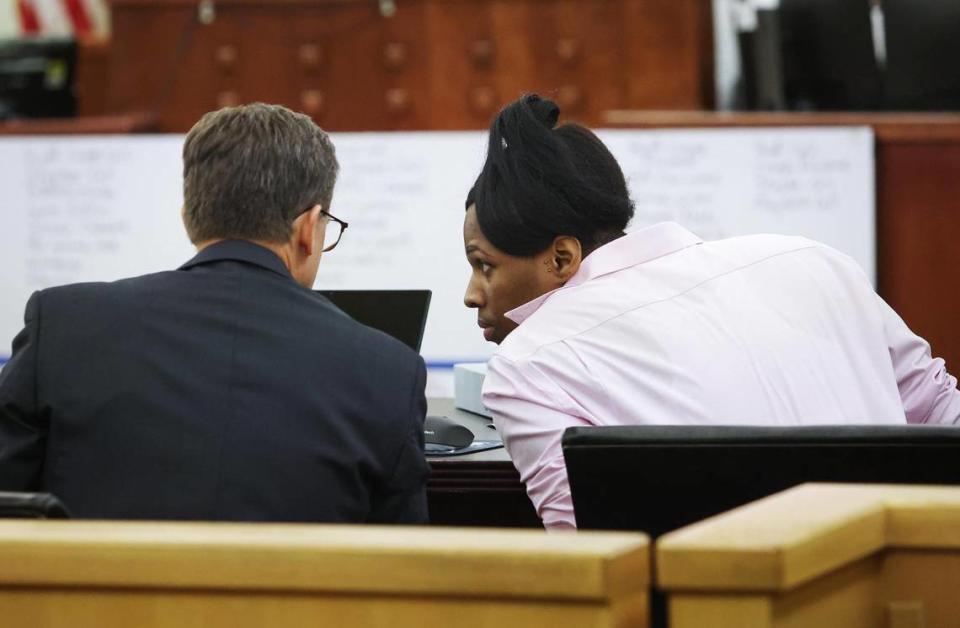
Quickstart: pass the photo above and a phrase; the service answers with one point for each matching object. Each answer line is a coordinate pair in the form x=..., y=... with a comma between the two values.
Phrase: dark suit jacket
x=223, y=391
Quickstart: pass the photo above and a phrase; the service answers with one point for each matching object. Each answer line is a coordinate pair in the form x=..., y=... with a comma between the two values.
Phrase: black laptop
x=399, y=313
x=403, y=315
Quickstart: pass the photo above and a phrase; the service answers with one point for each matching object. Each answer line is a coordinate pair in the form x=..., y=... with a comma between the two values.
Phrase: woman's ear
x=565, y=257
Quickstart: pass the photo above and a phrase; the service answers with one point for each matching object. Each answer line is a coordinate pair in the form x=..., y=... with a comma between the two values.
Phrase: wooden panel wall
x=434, y=64
x=918, y=236
x=91, y=79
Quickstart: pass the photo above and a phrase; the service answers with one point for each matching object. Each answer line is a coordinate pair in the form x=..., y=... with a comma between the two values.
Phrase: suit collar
x=241, y=251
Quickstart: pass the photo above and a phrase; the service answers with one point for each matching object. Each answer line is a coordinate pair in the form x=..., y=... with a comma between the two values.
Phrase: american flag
x=82, y=18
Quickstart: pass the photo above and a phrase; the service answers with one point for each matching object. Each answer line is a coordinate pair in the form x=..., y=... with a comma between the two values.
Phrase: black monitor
x=37, y=77
x=923, y=53
x=660, y=478
x=827, y=54
x=399, y=313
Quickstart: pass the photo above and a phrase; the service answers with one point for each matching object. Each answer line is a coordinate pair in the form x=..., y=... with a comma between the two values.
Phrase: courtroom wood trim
x=99, y=125
x=925, y=580
x=888, y=126
x=707, y=611
x=106, y=608
x=90, y=82
x=846, y=597
x=912, y=525
x=708, y=86
x=781, y=542
x=588, y=567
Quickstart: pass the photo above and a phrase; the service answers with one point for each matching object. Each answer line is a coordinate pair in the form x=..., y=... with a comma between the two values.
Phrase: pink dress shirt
x=659, y=327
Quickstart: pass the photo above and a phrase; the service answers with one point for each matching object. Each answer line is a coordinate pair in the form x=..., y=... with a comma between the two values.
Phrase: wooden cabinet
x=431, y=64
x=479, y=489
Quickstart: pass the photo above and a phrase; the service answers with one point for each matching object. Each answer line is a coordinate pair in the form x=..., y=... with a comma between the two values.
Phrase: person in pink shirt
x=597, y=326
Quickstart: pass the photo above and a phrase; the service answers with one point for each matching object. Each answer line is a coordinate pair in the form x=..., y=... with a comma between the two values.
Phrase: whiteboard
x=814, y=182
x=98, y=208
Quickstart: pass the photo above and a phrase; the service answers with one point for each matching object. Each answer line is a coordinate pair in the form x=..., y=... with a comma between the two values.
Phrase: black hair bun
x=546, y=111
x=539, y=182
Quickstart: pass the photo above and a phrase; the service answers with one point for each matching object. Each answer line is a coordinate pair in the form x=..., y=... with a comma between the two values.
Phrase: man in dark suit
x=226, y=389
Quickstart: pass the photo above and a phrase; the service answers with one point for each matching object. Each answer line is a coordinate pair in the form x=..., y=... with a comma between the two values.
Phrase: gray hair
x=249, y=171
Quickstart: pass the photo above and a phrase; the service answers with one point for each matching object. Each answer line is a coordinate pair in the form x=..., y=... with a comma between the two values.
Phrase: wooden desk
x=58, y=574
x=918, y=206
x=481, y=489
x=856, y=556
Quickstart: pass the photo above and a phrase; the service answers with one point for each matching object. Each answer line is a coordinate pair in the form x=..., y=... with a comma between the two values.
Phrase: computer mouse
x=441, y=430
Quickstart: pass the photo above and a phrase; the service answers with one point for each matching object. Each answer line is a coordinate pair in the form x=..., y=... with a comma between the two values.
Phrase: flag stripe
x=79, y=18
x=29, y=23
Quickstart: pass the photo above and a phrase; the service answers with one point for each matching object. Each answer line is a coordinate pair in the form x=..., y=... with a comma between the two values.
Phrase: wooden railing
x=819, y=555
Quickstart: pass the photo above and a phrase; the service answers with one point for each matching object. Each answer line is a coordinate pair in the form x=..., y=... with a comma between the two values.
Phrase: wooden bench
x=819, y=555
x=144, y=575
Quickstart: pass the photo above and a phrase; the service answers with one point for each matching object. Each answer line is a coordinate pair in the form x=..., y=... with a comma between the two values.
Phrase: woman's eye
x=485, y=267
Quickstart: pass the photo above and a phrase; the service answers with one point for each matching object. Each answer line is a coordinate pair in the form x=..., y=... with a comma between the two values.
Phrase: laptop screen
x=399, y=313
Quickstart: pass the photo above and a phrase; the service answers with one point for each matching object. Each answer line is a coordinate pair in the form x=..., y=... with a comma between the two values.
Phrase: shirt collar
x=637, y=247
x=241, y=251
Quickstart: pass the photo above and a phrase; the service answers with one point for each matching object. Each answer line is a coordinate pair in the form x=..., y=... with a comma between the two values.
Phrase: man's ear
x=565, y=257
x=306, y=237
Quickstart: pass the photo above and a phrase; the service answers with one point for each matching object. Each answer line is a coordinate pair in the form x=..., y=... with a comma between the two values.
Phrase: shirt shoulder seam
x=566, y=339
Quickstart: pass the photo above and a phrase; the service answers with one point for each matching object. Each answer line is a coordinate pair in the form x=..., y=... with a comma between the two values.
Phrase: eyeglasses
x=333, y=232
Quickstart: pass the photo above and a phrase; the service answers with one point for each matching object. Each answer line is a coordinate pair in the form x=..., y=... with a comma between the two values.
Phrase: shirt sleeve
x=928, y=392
x=23, y=428
x=531, y=412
